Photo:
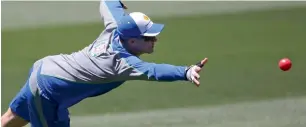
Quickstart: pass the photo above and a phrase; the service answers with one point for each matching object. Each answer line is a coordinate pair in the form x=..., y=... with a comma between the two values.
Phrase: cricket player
x=58, y=82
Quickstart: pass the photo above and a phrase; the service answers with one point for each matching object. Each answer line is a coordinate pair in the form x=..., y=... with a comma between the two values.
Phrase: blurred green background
x=243, y=50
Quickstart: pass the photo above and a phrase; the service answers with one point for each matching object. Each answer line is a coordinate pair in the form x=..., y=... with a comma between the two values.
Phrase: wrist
x=187, y=73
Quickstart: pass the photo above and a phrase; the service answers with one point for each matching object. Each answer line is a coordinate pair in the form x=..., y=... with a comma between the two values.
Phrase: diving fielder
x=58, y=82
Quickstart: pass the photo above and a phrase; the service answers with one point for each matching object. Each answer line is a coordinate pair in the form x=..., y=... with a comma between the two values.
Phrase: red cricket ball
x=285, y=64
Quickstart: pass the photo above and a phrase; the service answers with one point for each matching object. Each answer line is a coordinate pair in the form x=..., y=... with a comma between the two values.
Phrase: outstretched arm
x=111, y=11
x=132, y=68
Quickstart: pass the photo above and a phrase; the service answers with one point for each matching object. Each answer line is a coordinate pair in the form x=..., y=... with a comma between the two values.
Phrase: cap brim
x=154, y=30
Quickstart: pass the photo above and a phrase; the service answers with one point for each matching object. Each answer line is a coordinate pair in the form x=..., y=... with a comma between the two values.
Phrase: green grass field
x=243, y=50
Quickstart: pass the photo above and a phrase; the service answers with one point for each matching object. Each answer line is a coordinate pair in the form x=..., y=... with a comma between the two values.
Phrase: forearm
x=166, y=72
x=130, y=67
x=152, y=72
x=111, y=11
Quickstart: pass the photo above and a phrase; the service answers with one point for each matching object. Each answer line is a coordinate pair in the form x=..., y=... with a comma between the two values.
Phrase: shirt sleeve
x=131, y=67
x=111, y=11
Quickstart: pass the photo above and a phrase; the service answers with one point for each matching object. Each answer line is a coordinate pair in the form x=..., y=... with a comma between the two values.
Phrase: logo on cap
x=146, y=17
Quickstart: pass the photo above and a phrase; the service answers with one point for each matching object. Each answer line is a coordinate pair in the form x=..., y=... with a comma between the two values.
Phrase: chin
x=150, y=52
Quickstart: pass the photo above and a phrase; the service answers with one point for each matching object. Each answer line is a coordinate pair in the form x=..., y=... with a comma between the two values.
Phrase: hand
x=193, y=72
x=124, y=7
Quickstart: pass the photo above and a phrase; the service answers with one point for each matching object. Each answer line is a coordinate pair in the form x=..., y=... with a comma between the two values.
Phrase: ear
x=132, y=40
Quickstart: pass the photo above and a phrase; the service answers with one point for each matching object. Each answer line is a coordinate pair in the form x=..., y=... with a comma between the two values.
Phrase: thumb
x=202, y=62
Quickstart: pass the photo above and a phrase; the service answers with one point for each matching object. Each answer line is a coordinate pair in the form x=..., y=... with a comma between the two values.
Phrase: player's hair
x=121, y=39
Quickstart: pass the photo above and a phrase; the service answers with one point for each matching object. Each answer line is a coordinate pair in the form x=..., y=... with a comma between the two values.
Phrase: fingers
x=197, y=69
x=124, y=7
x=204, y=61
x=196, y=76
x=196, y=82
x=194, y=72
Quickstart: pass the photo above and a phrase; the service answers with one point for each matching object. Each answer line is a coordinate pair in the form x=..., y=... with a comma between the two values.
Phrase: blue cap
x=137, y=24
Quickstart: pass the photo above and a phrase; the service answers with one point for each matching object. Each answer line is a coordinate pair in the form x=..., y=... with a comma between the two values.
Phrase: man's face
x=144, y=45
